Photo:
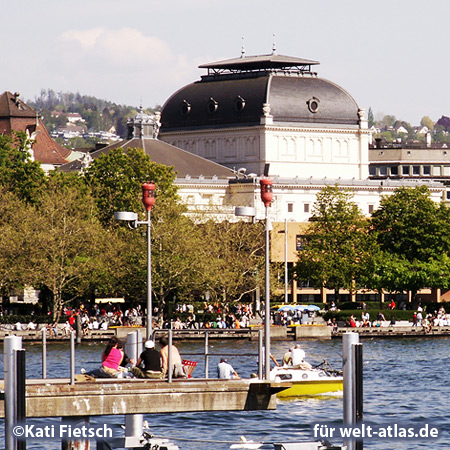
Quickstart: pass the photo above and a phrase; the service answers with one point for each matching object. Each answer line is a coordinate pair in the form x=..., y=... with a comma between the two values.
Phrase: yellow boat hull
x=311, y=388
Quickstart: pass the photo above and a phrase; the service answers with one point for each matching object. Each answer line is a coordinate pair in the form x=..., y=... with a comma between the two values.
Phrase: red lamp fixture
x=148, y=195
x=266, y=191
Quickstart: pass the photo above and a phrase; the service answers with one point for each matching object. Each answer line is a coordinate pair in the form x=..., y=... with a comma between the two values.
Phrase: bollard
x=133, y=349
x=11, y=343
x=75, y=443
x=260, y=355
x=358, y=414
x=348, y=339
x=21, y=413
x=78, y=328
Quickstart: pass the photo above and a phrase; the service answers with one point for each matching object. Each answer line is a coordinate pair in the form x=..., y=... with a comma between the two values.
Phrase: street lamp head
x=148, y=195
x=245, y=211
x=266, y=191
x=125, y=216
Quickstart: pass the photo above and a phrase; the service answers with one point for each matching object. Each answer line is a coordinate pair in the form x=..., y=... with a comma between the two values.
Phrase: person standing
x=151, y=359
x=178, y=370
x=226, y=371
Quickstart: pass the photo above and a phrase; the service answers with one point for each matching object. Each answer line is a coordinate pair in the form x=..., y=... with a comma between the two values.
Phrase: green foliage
x=18, y=173
x=99, y=114
x=69, y=243
x=337, y=242
x=370, y=118
x=413, y=233
x=409, y=224
x=235, y=265
x=427, y=122
x=116, y=180
x=16, y=246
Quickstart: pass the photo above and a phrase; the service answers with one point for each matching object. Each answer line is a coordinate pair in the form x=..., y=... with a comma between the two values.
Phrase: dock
x=59, y=398
x=394, y=332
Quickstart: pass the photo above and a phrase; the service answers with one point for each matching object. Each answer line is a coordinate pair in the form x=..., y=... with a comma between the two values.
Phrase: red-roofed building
x=16, y=115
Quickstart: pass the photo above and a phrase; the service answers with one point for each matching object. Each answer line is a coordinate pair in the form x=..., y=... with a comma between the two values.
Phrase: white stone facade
x=290, y=150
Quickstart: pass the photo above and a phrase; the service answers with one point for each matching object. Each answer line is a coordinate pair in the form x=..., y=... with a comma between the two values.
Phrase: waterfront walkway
x=278, y=333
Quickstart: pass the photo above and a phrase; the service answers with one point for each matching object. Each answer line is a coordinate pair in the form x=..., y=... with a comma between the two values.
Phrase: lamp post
x=148, y=199
x=266, y=197
x=286, y=275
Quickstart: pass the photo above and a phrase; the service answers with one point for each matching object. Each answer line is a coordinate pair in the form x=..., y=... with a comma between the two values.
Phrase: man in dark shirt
x=151, y=360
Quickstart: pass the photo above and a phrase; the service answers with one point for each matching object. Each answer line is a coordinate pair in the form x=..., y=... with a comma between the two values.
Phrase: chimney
x=428, y=140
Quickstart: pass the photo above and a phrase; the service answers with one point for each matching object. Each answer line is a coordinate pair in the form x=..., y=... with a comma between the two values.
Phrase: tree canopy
x=413, y=233
x=116, y=180
x=337, y=242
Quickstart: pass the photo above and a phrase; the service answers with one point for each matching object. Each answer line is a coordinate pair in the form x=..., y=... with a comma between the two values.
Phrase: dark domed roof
x=236, y=95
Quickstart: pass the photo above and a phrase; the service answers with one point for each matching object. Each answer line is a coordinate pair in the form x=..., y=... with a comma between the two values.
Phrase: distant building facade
x=271, y=109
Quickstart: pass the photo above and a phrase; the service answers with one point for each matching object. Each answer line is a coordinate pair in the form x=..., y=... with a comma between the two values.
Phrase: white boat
x=320, y=380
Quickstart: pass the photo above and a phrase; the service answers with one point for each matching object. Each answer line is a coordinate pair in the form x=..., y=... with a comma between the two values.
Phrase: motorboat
x=318, y=380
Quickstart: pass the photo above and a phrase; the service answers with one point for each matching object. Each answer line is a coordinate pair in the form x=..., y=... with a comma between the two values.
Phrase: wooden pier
x=394, y=332
x=59, y=398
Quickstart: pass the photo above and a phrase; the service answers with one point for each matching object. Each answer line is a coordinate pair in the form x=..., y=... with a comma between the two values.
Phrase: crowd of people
x=438, y=318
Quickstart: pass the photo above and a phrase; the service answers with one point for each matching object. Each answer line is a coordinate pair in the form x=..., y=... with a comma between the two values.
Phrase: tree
x=16, y=242
x=235, y=259
x=388, y=121
x=116, y=180
x=413, y=233
x=370, y=118
x=444, y=122
x=18, y=173
x=70, y=244
x=338, y=245
x=427, y=122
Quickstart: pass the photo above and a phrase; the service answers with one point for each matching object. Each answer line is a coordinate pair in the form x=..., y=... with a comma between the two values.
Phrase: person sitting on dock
x=111, y=359
x=151, y=359
x=226, y=371
x=178, y=370
x=298, y=359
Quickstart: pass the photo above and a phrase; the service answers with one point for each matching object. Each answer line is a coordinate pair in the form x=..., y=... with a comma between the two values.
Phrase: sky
x=390, y=55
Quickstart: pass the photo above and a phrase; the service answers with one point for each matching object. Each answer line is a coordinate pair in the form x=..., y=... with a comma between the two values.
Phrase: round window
x=212, y=106
x=313, y=104
x=185, y=108
x=239, y=104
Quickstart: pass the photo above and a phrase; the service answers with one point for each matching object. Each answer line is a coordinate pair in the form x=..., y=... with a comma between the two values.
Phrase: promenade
x=278, y=333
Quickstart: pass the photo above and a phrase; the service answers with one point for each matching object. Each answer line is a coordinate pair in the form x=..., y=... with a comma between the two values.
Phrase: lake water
x=405, y=382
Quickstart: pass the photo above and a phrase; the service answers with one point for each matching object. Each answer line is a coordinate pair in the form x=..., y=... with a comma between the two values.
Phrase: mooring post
x=78, y=328
x=11, y=343
x=76, y=443
x=206, y=355
x=44, y=353
x=133, y=348
x=348, y=339
x=21, y=413
x=358, y=413
x=260, y=354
